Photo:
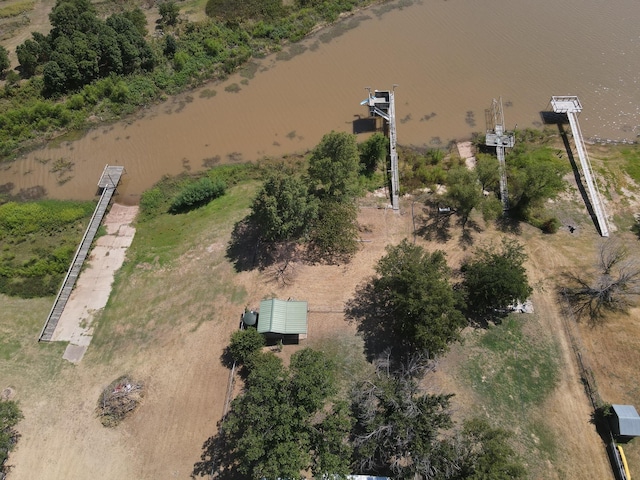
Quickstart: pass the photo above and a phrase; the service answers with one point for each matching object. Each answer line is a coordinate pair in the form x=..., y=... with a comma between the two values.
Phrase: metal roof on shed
x=282, y=316
x=628, y=423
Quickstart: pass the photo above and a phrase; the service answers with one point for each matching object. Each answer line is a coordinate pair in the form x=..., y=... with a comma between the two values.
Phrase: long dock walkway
x=108, y=182
x=571, y=106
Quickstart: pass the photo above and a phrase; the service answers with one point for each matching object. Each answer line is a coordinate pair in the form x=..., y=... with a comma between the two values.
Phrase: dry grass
x=16, y=8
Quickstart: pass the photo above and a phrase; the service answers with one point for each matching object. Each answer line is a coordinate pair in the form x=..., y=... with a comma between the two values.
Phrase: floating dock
x=108, y=183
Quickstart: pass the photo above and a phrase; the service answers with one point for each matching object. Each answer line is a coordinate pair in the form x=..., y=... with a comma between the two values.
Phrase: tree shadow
x=217, y=460
x=635, y=229
x=435, y=222
x=372, y=319
x=247, y=251
x=244, y=245
x=508, y=224
x=466, y=237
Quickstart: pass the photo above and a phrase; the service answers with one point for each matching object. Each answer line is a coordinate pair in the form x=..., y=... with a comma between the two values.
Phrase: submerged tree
x=613, y=287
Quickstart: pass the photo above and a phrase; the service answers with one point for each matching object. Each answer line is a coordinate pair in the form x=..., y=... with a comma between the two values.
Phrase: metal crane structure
x=381, y=103
x=571, y=106
x=499, y=138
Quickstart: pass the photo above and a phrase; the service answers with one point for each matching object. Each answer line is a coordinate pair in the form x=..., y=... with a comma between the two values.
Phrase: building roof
x=281, y=316
x=628, y=421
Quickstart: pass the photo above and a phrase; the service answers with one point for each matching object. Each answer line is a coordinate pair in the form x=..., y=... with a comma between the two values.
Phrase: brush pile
x=119, y=400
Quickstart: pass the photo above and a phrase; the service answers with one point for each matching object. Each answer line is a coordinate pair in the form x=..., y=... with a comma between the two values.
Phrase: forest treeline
x=93, y=67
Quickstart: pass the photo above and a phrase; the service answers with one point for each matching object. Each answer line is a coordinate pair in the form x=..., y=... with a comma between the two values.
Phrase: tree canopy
x=4, y=60
x=373, y=151
x=464, y=193
x=282, y=424
x=410, y=303
x=397, y=431
x=245, y=343
x=334, y=234
x=534, y=174
x=283, y=207
x=82, y=48
x=334, y=166
x=169, y=11
x=486, y=453
x=495, y=278
x=10, y=415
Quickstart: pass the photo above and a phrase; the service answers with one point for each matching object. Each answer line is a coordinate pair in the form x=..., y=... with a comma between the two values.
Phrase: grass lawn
x=512, y=369
x=175, y=268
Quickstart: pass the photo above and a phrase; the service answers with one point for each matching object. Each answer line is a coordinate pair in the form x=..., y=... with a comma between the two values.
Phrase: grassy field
x=512, y=370
x=15, y=9
x=156, y=274
x=26, y=365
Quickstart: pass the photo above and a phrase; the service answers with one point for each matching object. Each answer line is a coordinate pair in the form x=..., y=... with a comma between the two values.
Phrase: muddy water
x=449, y=59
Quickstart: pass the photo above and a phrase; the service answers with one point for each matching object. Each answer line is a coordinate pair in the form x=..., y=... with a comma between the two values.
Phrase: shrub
x=197, y=194
x=551, y=225
x=245, y=343
x=10, y=415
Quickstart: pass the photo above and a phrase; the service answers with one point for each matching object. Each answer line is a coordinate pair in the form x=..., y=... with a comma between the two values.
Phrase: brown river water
x=449, y=58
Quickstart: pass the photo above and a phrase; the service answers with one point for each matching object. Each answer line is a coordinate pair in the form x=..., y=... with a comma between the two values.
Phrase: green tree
x=138, y=19
x=10, y=415
x=330, y=440
x=488, y=171
x=534, y=175
x=312, y=380
x=170, y=46
x=487, y=454
x=55, y=80
x=274, y=429
x=334, y=235
x=28, y=56
x=245, y=343
x=373, y=151
x=398, y=429
x=4, y=60
x=495, y=278
x=464, y=193
x=169, y=11
x=283, y=208
x=196, y=194
x=409, y=304
x=334, y=167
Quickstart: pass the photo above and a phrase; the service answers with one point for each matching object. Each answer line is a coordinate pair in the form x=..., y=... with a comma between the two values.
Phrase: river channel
x=448, y=58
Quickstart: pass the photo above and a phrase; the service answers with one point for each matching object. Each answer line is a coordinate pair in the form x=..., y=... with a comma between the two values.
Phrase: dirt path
x=38, y=22
x=568, y=408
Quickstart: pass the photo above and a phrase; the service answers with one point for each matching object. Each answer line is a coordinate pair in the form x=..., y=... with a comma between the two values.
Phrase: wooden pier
x=108, y=182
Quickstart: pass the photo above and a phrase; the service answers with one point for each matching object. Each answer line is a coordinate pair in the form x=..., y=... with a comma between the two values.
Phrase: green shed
x=286, y=317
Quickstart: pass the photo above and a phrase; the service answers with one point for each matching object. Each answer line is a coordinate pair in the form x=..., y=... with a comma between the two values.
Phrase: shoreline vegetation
x=97, y=71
